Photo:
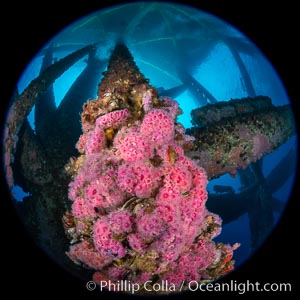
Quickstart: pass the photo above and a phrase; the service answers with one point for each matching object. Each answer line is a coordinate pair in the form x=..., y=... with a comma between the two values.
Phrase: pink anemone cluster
x=145, y=200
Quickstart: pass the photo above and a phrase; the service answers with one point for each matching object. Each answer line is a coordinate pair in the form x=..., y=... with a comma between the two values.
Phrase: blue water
x=161, y=37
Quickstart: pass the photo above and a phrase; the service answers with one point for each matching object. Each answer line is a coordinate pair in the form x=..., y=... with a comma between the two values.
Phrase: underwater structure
x=134, y=203
x=140, y=197
x=138, y=209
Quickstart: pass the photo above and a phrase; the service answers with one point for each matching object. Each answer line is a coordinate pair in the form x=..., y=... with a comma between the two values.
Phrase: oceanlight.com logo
x=168, y=287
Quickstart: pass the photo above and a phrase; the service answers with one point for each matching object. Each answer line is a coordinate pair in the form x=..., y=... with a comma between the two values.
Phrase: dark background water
x=273, y=30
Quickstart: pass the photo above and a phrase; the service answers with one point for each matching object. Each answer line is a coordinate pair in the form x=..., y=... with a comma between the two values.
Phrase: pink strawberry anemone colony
x=138, y=201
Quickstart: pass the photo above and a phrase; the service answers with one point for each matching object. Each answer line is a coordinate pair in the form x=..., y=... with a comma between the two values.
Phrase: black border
x=26, y=27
